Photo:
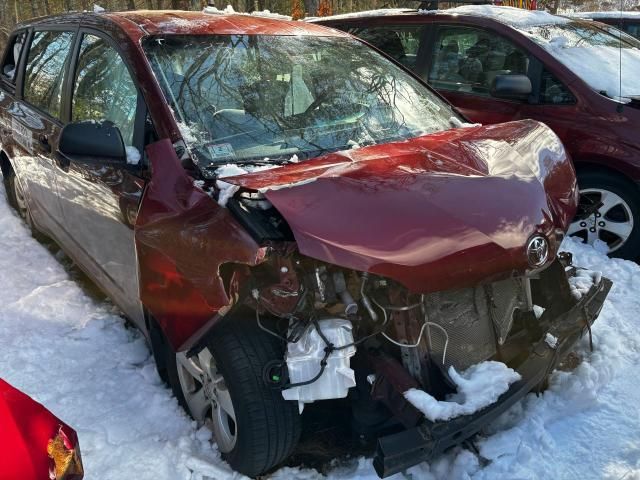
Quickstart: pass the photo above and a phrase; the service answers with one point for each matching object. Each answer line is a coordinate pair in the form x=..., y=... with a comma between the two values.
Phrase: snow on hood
x=477, y=387
x=599, y=66
x=433, y=212
x=591, y=54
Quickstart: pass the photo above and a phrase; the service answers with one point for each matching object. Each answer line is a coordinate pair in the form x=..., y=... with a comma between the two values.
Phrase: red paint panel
x=182, y=239
x=26, y=428
x=439, y=212
x=197, y=23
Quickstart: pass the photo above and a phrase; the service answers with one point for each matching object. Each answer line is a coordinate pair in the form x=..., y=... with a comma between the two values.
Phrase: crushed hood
x=436, y=212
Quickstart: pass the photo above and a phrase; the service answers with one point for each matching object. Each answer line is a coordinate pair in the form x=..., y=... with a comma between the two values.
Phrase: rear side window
x=401, y=43
x=103, y=88
x=12, y=57
x=468, y=60
x=633, y=29
x=553, y=91
x=45, y=70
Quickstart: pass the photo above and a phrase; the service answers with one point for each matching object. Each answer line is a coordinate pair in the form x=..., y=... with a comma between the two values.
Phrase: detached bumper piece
x=428, y=440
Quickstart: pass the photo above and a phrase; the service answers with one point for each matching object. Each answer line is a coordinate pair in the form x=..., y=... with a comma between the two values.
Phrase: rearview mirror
x=92, y=143
x=511, y=87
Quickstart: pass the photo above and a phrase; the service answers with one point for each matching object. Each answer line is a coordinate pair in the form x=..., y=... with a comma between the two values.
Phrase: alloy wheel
x=207, y=397
x=602, y=215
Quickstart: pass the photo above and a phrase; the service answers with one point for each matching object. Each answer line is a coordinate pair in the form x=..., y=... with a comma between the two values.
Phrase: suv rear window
x=45, y=70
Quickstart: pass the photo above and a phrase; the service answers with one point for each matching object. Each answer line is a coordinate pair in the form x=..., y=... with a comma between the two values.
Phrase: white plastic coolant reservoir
x=305, y=355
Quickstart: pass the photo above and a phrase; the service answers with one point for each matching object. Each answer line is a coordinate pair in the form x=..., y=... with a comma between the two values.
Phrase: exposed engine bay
x=327, y=315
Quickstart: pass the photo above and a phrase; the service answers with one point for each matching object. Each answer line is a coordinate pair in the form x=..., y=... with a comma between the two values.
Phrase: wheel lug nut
x=601, y=224
x=597, y=214
x=583, y=224
x=592, y=229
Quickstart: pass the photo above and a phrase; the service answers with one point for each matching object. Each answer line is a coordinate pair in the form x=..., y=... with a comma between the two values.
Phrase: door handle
x=43, y=140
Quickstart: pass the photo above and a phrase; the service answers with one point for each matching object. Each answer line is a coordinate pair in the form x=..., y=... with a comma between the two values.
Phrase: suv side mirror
x=92, y=142
x=511, y=87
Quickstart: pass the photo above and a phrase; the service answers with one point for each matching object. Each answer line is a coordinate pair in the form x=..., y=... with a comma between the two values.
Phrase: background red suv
x=499, y=63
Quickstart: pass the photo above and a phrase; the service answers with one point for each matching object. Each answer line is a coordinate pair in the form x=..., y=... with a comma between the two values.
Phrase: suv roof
x=159, y=22
x=515, y=17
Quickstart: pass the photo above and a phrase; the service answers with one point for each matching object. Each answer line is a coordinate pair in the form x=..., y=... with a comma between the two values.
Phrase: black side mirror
x=92, y=142
x=511, y=87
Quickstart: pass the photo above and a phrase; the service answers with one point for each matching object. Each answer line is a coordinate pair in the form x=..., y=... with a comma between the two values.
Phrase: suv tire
x=267, y=427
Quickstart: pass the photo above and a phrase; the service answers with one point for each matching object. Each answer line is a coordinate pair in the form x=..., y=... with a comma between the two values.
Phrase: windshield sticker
x=22, y=135
x=221, y=151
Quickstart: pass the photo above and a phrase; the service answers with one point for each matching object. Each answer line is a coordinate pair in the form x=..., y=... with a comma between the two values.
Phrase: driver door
x=100, y=201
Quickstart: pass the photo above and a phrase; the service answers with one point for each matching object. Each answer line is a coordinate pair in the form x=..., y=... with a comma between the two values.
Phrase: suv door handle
x=43, y=140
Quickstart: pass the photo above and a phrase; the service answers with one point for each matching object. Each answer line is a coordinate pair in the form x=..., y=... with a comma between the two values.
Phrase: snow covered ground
x=73, y=353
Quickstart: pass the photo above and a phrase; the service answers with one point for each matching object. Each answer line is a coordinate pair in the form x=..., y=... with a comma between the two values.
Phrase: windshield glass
x=242, y=98
x=594, y=54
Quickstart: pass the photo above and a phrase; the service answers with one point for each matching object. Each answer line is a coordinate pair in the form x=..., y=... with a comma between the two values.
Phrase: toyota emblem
x=537, y=251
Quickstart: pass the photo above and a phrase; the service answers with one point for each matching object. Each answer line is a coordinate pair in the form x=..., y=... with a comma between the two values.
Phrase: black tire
x=625, y=189
x=268, y=426
x=11, y=187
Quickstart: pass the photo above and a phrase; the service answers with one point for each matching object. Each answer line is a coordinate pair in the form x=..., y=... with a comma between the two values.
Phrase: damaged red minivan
x=290, y=217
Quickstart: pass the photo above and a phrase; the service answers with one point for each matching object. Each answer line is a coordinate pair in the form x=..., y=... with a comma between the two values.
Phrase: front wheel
x=608, y=211
x=222, y=387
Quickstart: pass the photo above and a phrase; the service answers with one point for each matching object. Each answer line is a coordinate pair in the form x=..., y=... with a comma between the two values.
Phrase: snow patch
x=214, y=11
x=551, y=340
x=457, y=123
x=228, y=190
x=98, y=9
x=538, y=311
x=612, y=14
x=133, y=155
x=189, y=133
x=582, y=282
x=516, y=17
x=478, y=387
x=381, y=12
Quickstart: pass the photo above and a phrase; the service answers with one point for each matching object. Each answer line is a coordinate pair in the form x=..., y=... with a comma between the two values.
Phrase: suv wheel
x=609, y=211
x=222, y=387
x=16, y=198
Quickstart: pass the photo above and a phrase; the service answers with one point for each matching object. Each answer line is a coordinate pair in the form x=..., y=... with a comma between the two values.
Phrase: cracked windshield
x=266, y=98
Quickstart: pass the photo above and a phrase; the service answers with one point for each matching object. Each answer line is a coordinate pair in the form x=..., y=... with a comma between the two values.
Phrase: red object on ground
x=34, y=444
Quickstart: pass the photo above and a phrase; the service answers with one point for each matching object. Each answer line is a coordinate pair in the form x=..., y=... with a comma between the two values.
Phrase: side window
x=553, y=91
x=468, y=59
x=401, y=43
x=103, y=87
x=12, y=57
x=633, y=29
x=45, y=70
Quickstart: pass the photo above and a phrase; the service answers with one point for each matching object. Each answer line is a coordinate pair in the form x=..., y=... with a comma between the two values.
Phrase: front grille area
x=476, y=320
